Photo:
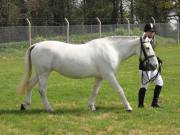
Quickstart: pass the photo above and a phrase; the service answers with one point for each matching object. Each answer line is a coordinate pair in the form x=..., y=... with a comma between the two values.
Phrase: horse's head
x=147, y=56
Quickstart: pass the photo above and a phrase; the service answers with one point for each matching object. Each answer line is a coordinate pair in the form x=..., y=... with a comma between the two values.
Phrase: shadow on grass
x=64, y=111
x=19, y=112
x=79, y=111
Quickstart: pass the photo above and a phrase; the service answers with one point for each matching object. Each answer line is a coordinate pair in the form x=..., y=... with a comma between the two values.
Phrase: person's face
x=150, y=34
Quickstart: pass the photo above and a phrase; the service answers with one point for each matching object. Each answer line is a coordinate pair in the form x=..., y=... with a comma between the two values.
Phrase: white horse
x=98, y=58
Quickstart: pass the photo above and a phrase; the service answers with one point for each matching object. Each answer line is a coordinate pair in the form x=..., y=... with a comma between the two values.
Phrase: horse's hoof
x=23, y=107
x=92, y=108
x=50, y=110
x=129, y=110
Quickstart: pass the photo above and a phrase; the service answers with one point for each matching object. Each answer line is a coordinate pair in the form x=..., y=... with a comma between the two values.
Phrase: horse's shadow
x=62, y=111
x=20, y=112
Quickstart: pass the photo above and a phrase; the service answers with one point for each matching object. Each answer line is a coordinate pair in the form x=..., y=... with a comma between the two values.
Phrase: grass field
x=70, y=100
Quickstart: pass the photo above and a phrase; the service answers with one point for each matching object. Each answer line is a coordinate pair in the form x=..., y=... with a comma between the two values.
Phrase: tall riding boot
x=157, y=91
x=141, y=95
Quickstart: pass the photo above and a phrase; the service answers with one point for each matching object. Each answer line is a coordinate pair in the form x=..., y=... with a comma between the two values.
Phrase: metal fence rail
x=83, y=32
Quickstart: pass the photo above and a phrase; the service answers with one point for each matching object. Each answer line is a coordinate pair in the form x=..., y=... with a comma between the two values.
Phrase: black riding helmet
x=149, y=28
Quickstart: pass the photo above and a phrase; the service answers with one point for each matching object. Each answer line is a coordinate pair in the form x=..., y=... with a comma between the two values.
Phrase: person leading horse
x=146, y=75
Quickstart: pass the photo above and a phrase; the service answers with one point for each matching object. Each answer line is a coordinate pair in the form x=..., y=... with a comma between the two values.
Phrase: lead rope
x=152, y=78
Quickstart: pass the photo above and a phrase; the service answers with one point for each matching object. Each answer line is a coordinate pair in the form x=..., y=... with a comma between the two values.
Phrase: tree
x=9, y=11
x=115, y=11
x=107, y=10
x=53, y=12
x=132, y=11
x=60, y=9
x=145, y=9
x=121, y=12
x=176, y=4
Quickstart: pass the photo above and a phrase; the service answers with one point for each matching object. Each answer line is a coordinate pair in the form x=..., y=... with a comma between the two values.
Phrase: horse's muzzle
x=153, y=67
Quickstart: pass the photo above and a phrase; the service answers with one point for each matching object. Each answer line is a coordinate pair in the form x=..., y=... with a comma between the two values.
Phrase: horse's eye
x=147, y=48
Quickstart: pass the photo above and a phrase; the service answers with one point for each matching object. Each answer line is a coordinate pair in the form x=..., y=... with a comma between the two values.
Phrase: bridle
x=142, y=50
x=149, y=66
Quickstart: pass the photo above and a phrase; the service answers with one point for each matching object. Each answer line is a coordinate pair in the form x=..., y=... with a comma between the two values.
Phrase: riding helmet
x=149, y=28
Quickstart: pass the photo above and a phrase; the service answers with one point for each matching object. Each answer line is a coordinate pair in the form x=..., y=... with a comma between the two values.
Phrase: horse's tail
x=24, y=84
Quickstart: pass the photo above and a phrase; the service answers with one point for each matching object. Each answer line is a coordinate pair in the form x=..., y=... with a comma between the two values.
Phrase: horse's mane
x=122, y=37
x=113, y=38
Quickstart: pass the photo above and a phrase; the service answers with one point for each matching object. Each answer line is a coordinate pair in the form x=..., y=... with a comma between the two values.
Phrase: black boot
x=157, y=91
x=141, y=95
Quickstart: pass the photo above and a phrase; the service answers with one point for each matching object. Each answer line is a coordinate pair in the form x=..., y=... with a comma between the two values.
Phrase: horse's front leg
x=114, y=83
x=27, y=101
x=96, y=87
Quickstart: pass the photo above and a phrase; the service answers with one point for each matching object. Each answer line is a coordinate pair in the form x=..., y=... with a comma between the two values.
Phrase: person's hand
x=159, y=60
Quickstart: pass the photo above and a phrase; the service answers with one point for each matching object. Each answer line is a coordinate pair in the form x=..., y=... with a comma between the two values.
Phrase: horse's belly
x=77, y=71
x=73, y=73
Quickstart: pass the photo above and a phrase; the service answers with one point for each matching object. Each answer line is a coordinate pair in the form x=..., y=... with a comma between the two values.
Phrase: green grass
x=70, y=100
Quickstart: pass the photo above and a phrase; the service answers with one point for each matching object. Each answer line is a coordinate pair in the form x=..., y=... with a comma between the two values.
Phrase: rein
x=147, y=59
x=152, y=78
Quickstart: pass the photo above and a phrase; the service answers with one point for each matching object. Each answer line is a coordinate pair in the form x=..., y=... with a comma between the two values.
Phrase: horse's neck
x=126, y=48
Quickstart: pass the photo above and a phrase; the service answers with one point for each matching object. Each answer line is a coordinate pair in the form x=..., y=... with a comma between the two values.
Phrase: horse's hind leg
x=42, y=90
x=96, y=87
x=27, y=101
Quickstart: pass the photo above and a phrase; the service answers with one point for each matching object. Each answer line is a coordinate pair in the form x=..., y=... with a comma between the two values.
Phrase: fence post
x=67, y=32
x=154, y=21
x=29, y=30
x=128, y=27
x=99, y=26
x=91, y=28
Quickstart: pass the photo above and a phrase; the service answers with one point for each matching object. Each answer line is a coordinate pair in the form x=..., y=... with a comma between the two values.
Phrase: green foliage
x=145, y=9
x=53, y=12
x=121, y=31
x=136, y=31
x=165, y=41
x=39, y=39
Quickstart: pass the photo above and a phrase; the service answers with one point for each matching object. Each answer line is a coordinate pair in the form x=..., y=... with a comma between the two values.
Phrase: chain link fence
x=83, y=33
